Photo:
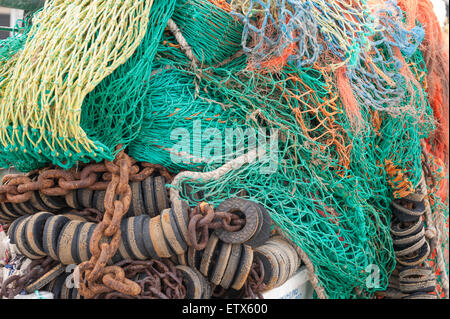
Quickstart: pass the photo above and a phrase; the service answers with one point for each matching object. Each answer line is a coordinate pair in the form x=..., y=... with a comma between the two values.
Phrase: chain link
x=15, y=284
x=18, y=188
x=95, y=277
x=203, y=218
x=161, y=280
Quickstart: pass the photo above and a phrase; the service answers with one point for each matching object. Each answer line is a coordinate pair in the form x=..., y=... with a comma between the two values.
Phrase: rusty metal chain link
x=161, y=280
x=15, y=284
x=203, y=218
x=254, y=285
x=95, y=277
x=54, y=181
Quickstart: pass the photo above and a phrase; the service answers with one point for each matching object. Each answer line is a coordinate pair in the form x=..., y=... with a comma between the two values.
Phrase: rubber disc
x=35, y=232
x=147, y=239
x=245, y=265
x=162, y=200
x=52, y=229
x=231, y=269
x=171, y=232
x=148, y=195
x=64, y=247
x=191, y=281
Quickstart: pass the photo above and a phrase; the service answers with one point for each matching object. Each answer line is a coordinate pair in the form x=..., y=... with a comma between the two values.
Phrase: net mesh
x=336, y=95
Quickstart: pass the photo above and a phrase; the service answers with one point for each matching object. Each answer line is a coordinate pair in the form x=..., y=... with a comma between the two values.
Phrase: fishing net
x=75, y=45
x=327, y=181
x=332, y=99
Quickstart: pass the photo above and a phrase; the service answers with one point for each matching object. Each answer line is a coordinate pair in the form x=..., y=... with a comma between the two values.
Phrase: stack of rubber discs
x=256, y=230
x=412, y=279
x=227, y=259
x=37, y=203
x=280, y=261
x=149, y=197
x=197, y=286
x=223, y=264
x=45, y=234
x=145, y=237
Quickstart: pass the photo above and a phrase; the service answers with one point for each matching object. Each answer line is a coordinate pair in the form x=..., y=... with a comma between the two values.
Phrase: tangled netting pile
x=345, y=97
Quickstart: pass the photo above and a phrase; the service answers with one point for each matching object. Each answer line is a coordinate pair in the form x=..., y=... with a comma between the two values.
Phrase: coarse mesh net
x=336, y=94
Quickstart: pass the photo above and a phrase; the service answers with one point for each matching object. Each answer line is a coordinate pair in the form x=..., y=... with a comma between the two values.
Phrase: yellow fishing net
x=72, y=47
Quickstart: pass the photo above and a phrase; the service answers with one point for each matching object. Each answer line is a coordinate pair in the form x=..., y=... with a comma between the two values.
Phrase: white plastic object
x=296, y=287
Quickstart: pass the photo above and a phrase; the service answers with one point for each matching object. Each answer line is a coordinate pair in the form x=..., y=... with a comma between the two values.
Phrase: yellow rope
x=75, y=45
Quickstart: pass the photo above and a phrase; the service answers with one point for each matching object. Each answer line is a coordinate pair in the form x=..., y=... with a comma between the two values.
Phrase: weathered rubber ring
x=171, y=232
x=191, y=281
x=72, y=200
x=420, y=257
x=283, y=263
x=98, y=200
x=26, y=207
x=4, y=216
x=135, y=237
x=231, y=269
x=270, y=264
x=162, y=200
x=420, y=295
x=245, y=265
x=52, y=230
x=397, y=229
x=182, y=259
x=181, y=213
x=74, y=216
x=35, y=232
x=75, y=242
x=148, y=193
x=292, y=255
x=84, y=197
x=263, y=233
x=58, y=286
x=194, y=257
x=251, y=213
x=8, y=210
x=13, y=227
x=208, y=254
x=159, y=242
x=38, y=204
x=83, y=242
x=147, y=239
x=22, y=243
x=205, y=284
x=54, y=202
x=17, y=207
x=124, y=250
x=221, y=263
x=64, y=247
x=136, y=199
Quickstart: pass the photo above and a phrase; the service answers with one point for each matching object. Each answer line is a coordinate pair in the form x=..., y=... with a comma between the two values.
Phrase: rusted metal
x=95, y=277
x=203, y=217
x=15, y=284
x=254, y=285
x=157, y=279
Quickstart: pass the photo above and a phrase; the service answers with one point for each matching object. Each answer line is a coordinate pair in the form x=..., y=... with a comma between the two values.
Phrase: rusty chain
x=162, y=280
x=203, y=218
x=95, y=277
x=15, y=284
x=54, y=181
x=254, y=285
